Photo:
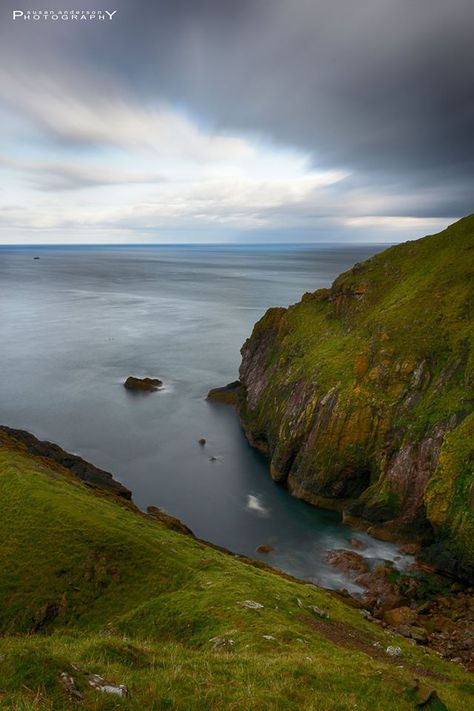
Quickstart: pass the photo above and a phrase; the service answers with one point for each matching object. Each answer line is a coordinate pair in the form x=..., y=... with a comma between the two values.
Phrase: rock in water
x=148, y=385
x=264, y=548
x=348, y=561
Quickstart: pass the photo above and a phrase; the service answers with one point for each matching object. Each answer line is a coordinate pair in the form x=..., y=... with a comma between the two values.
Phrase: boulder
x=148, y=385
x=400, y=616
x=381, y=591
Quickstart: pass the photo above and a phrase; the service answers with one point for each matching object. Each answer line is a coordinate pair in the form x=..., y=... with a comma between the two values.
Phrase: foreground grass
x=88, y=585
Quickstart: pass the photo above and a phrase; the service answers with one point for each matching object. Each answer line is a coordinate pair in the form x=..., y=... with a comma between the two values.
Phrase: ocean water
x=76, y=322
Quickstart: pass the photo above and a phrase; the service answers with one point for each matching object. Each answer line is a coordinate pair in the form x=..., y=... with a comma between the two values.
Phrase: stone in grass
x=393, y=651
x=97, y=682
x=251, y=605
x=222, y=644
x=68, y=683
x=318, y=611
x=147, y=385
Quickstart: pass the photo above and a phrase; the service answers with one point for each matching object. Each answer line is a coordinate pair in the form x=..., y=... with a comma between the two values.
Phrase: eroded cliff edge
x=362, y=394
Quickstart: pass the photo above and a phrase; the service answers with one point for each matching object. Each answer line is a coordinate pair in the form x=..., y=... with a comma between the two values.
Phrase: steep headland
x=105, y=607
x=362, y=394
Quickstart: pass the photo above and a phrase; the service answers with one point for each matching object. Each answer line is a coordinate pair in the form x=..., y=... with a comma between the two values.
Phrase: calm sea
x=76, y=322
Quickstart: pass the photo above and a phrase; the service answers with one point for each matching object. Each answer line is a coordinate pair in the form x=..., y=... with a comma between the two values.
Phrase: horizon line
x=36, y=245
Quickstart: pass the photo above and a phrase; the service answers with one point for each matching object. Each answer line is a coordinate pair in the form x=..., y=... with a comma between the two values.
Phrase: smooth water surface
x=76, y=322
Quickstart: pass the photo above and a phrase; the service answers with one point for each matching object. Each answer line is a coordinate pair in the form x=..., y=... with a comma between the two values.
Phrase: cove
x=85, y=319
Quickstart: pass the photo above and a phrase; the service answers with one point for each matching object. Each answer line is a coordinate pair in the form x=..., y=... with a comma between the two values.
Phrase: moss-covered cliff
x=361, y=394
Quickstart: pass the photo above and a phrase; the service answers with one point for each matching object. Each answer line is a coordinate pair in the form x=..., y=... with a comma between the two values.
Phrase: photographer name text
x=59, y=15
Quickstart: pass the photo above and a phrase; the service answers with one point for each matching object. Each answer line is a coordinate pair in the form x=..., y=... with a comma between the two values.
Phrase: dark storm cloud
x=383, y=88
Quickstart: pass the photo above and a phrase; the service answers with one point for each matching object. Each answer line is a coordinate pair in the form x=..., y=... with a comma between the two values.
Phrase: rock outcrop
x=85, y=471
x=362, y=394
x=229, y=394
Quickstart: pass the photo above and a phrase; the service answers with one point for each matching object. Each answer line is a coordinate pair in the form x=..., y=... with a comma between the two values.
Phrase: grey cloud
x=59, y=177
x=69, y=178
x=384, y=88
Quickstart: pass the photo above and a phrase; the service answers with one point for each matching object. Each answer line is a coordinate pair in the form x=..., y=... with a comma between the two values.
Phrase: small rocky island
x=146, y=385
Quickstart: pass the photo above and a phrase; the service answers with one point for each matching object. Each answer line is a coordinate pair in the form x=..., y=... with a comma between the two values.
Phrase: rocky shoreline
x=427, y=604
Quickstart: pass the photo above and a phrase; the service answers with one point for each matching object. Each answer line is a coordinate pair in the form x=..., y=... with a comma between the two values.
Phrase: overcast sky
x=236, y=120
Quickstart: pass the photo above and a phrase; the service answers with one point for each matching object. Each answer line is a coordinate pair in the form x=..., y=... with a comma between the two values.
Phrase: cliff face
x=361, y=394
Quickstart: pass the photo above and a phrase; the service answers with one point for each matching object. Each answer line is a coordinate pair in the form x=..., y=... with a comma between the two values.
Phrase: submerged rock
x=347, y=561
x=142, y=384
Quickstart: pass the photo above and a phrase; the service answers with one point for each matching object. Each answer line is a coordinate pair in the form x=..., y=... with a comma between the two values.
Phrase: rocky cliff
x=362, y=394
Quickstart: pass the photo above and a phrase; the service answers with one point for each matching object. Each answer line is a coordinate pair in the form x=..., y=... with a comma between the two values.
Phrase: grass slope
x=90, y=585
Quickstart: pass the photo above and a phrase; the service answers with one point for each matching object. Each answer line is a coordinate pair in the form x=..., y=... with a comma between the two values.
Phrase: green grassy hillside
x=89, y=585
x=354, y=390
